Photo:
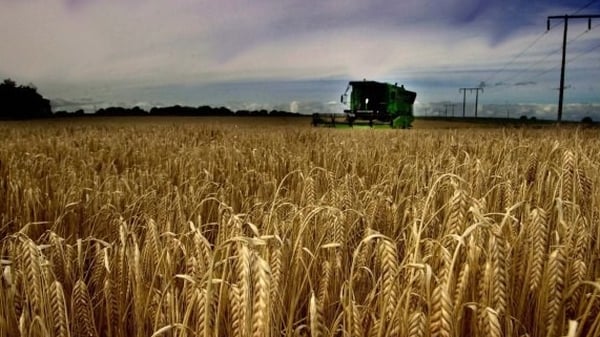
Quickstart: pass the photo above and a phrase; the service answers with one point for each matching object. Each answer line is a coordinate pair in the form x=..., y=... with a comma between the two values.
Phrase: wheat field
x=181, y=228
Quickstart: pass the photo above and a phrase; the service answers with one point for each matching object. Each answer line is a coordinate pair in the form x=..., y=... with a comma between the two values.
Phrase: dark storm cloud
x=520, y=84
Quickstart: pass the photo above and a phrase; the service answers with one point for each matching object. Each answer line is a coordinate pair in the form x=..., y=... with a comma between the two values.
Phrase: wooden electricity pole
x=566, y=18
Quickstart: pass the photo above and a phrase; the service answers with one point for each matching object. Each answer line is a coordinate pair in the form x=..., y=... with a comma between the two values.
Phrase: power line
x=565, y=19
x=446, y=108
x=553, y=68
x=583, y=53
x=546, y=56
x=580, y=35
x=584, y=6
x=537, y=39
x=534, y=42
x=536, y=62
x=539, y=61
x=544, y=72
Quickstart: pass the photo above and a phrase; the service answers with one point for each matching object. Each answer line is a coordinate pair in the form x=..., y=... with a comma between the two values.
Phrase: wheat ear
x=417, y=324
x=441, y=312
x=58, y=308
x=554, y=282
x=539, y=235
x=82, y=312
x=260, y=307
x=389, y=265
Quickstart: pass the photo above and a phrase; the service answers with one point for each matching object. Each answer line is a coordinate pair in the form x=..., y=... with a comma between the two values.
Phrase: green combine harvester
x=373, y=103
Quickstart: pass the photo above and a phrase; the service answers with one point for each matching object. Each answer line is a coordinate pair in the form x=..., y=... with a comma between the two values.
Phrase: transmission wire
x=534, y=42
x=584, y=7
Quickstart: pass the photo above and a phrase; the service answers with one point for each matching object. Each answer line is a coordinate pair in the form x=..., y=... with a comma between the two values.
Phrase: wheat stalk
x=239, y=228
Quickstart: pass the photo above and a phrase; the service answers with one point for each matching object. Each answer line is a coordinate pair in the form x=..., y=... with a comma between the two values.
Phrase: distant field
x=186, y=226
x=298, y=122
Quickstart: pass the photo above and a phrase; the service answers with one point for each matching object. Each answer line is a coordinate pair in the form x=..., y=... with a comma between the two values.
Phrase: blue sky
x=298, y=54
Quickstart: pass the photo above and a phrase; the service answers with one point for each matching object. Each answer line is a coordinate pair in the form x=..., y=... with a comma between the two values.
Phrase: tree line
x=24, y=102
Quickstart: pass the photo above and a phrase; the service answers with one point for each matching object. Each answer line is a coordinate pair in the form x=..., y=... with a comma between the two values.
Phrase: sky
x=298, y=55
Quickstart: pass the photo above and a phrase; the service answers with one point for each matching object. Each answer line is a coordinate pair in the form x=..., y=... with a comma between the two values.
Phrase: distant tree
x=285, y=113
x=261, y=112
x=22, y=102
x=223, y=111
x=137, y=111
x=523, y=118
x=120, y=111
x=242, y=113
x=204, y=110
x=9, y=83
x=587, y=120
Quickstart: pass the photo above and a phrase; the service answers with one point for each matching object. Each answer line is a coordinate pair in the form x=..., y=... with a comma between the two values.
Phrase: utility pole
x=566, y=18
x=464, y=90
x=477, y=99
x=446, y=108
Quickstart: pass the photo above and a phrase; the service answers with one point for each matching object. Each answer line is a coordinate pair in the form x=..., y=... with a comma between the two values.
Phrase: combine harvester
x=372, y=103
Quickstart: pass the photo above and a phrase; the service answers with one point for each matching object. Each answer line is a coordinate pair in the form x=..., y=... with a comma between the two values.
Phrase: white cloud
x=103, y=48
x=294, y=106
